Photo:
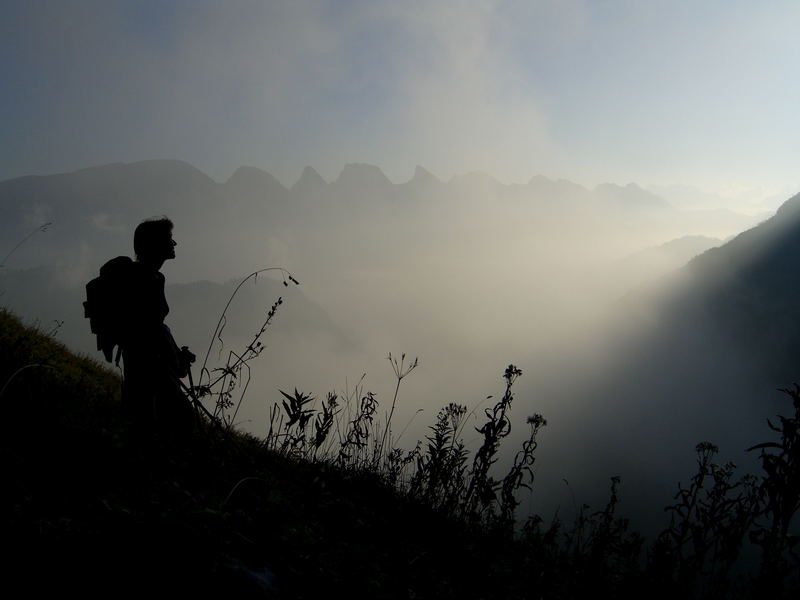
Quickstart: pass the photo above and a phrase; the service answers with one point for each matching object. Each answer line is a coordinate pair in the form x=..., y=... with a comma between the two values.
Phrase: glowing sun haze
x=658, y=92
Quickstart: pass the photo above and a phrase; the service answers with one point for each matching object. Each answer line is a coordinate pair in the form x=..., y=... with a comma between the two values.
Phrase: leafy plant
x=521, y=469
x=440, y=475
x=708, y=523
x=482, y=489
x=780, y=490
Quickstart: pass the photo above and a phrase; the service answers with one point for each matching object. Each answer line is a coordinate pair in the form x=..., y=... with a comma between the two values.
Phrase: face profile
x=170, y=247
x=153, y=242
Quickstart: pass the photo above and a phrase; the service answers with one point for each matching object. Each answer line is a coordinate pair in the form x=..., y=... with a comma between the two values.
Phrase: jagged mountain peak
x=362, y=174
x=309, y=179
x=422, y=175
x=253, y=177
x=540, y=180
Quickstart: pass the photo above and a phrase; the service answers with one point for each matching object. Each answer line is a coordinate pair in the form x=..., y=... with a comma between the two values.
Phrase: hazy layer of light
x=657, y=92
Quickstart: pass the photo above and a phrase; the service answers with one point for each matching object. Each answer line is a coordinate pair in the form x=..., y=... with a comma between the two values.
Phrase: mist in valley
x=572, y=285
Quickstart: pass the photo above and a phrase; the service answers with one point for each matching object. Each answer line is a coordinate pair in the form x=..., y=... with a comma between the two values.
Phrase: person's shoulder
x=117, y=267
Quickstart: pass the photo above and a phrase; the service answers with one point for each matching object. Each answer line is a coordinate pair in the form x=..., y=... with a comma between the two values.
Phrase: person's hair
x=148, y=233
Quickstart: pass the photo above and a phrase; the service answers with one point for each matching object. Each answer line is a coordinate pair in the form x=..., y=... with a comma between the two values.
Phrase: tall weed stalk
x=227, y=385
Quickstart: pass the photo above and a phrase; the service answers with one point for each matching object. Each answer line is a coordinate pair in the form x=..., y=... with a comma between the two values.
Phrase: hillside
x=743, y=292
x=94, y=513
x=97, y=513
x=696, y=355
x=749, y=284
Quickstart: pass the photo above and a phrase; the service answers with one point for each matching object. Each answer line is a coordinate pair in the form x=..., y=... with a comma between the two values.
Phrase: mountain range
x=92, y=209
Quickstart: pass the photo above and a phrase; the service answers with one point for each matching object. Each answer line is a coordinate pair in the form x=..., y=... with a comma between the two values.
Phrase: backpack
x=107, y=299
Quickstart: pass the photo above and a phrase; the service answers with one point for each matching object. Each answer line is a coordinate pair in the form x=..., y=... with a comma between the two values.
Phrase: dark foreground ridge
x=97, y=513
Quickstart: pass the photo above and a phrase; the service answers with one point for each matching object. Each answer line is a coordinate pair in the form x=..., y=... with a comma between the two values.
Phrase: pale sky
x=702, y=93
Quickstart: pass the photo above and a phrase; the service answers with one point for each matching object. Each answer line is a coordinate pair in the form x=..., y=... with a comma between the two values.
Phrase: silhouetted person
x=153, y=363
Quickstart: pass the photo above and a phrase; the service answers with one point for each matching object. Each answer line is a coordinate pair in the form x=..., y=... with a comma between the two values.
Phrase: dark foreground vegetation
x=324, y=505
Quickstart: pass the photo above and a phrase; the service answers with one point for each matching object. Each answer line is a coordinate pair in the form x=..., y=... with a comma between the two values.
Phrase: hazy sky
x=657, y=92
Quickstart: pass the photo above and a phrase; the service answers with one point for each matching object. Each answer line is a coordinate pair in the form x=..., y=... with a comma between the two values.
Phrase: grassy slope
x=94, y=511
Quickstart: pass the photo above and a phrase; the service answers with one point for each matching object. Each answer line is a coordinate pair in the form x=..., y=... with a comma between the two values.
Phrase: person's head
x=152, y=241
